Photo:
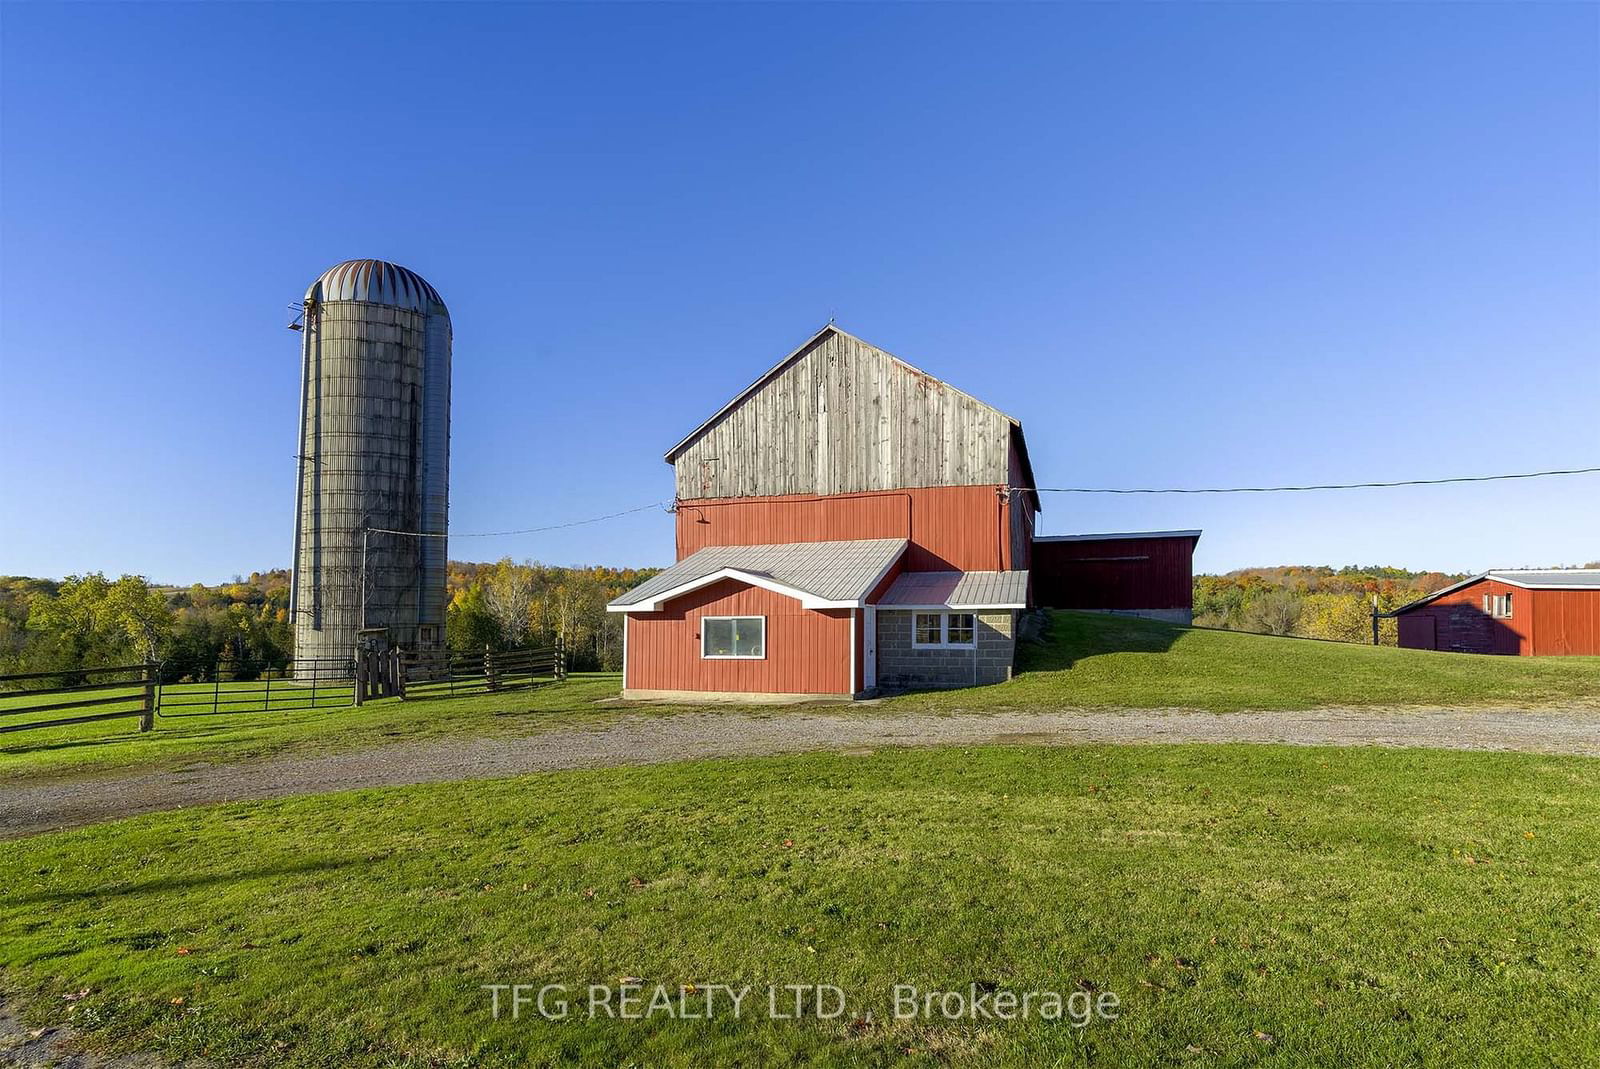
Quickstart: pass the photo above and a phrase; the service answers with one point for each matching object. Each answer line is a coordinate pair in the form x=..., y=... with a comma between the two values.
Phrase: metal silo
x=374, y=459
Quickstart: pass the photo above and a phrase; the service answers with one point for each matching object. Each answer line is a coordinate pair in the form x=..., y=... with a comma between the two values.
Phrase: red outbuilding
x=1518, y=612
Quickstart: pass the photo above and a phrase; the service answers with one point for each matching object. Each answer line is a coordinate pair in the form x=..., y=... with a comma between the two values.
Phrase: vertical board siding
x=1543, y=622
x=844, y=417
x=960, y=528
x=1566, y=622
x=1461, y=626
x=808, y=651
x=1156, y=573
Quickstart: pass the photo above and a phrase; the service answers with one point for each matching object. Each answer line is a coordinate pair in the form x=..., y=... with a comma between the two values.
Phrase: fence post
x=399, y=674
x=490, y=678
x=147, y=714
x=561, y=658
x=361, y=678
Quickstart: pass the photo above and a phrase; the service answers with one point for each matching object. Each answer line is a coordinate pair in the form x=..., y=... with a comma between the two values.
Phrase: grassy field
x=1089, y=661
x=1275, y=905
x=1097, y=661
x=244, y=734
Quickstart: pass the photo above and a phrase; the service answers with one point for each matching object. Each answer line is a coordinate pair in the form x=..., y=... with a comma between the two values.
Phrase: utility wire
x=1289, y=489
x=1048, y=490
x=525, y=530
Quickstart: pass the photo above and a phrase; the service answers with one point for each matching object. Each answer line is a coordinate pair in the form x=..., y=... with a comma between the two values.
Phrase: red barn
x=1135, y=573
x=847, y=522
x=1520, y=612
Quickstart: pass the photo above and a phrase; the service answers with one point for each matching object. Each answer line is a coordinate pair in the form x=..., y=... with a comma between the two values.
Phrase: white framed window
x=942, y=630
x=1497, y=605
x=733, y=638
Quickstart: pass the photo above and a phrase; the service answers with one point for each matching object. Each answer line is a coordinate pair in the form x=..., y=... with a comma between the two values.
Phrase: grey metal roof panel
x=1549, y=579
x=831, y=571
x=1117, y=537
x=958, y=590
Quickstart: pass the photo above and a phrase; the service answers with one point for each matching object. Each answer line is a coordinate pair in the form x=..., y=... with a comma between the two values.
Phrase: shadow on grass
x=183, y=883
x=1070, y=637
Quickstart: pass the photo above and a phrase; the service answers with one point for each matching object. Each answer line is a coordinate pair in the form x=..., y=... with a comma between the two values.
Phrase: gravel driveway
x=31, y=807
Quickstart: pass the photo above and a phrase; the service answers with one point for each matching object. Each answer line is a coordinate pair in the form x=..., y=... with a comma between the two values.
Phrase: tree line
x=506, y=604
x=238, y=629
x=234, y=630
x=1314, y=601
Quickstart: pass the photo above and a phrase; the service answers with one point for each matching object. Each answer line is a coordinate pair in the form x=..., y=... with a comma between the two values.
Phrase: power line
x=525, y=530
x=1048, y=490
x=1295, y=489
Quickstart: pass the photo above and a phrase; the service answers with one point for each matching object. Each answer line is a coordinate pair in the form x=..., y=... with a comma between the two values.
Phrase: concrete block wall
x=902, y=665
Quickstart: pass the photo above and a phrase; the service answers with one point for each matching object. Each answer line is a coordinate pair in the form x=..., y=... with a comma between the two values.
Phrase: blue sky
x=1185, y=245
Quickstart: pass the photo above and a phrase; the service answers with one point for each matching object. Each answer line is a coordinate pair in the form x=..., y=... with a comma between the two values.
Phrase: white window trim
x=704, y=656
x=944, y=642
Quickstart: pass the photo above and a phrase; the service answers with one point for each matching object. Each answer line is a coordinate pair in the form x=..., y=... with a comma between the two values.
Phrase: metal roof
x=821, y=574
x=377, y=282
x=1016, y=424
x=1114, y=537
x=1527, y=578
x=1549, y=578
x=958, y=590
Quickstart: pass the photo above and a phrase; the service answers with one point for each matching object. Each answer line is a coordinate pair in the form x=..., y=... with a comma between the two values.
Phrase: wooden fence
x=116, y=693
x=442, y=674
x=39, y=699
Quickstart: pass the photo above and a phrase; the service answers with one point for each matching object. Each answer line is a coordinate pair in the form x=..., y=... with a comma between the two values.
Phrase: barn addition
x=1134, y=573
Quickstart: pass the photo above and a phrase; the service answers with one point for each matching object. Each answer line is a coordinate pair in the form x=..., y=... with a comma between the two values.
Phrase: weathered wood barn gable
x=840, y=416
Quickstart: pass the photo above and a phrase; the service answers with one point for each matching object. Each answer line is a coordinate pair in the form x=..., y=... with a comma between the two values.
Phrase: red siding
x=1118, y=573
x=1460, y=625
x=808, y=651
x=1543, y=622
x=1566, y=622
x=964, y=528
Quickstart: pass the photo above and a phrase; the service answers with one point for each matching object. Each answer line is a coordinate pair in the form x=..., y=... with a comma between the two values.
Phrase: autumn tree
x=508, y=597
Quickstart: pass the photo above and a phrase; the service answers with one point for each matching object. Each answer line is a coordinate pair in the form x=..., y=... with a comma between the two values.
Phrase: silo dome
x=372, y=508
x=376, y=282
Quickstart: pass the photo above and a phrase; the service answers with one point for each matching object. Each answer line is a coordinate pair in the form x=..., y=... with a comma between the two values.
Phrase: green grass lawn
x=1273, y=905
x=1088, y=661
x=1091, y=660
x=243, y=734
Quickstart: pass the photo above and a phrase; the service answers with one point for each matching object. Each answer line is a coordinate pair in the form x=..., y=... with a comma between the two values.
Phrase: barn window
x=958, y=629
x=742, y=638
x=936, y=629
x=1497, y=605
